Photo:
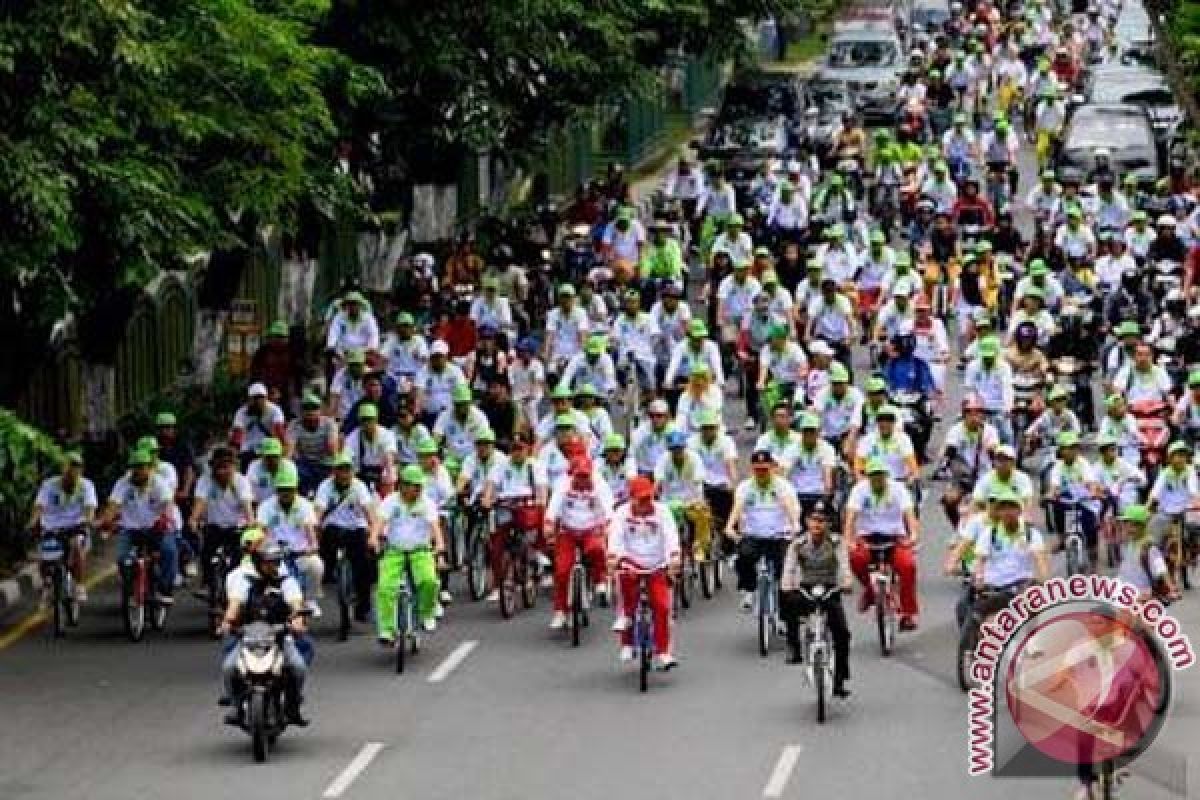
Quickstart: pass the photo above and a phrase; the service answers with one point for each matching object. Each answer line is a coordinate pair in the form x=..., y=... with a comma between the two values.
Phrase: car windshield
x=930, y=18
x=758, y=101
x=1116, y=130
x=869, y=53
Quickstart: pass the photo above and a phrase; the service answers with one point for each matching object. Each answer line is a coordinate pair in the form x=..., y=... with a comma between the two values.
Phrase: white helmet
x=1175, y=295
x=1166, y=220
x=423, y=260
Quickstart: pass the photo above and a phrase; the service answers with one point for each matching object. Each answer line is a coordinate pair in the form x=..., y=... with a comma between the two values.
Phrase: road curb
x=20, y=588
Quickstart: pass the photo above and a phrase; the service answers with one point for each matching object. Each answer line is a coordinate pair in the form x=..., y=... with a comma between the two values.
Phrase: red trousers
x=660, y=608
x=564, y=559
x=906, y=570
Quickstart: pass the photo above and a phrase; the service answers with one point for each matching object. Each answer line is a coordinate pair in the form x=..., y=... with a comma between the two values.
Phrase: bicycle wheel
x=133, y=604
x=883, y=611
x=764, y=629
x=345, y=593
x=1107, y=781
x=819, y=679
x=59, y=601
x=577, y=579
x=685, y=581
x=644, y=657
x=527, y=580
x=402, y=630
x=1076, y=563
x=967, y=642
x=70, y=604
x=216, y=599
x=476, y=566
x=506, y=583
x=706, y=584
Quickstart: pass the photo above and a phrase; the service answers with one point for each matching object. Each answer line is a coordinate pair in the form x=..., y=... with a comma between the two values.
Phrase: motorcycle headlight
x=818, y=592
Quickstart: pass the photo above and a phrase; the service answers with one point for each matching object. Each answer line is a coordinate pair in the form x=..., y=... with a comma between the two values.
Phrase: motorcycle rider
x=1143, y=380
x=262, y=588
x=815, y=559
x=992, y=379
x=967, y=454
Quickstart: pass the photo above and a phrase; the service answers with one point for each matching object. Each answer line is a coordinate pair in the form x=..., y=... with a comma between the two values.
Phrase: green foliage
x=26, y=456
x=130, y=132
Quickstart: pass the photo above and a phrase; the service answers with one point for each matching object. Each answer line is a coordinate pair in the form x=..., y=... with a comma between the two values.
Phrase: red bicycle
x=139, y=576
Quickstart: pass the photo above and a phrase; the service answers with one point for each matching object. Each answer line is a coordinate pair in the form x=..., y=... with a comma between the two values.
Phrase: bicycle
x=53, y=550
x=408, y=641
x=139, y=577
x=766, y=600
x=886, y=586
x=818, y=643
x=579, y=594
x=475, y=562
x=643, y=626
x=222, y=562
x=1074, y=544
x=517, y=571
x=985, y=602
x=1181, y=546
x=343, y=579
x=689, y=573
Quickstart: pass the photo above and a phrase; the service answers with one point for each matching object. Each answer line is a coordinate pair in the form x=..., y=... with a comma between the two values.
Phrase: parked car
x=1125, y=130
x=1137, y=86
x=867, y=57
x=929, y=15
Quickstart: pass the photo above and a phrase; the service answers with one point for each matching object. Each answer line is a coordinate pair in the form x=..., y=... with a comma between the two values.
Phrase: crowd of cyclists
x=847, y=295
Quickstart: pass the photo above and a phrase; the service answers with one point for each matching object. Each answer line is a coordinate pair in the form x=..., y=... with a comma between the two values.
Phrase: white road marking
x=456, y=657
x=782, y=772
x=355, y=768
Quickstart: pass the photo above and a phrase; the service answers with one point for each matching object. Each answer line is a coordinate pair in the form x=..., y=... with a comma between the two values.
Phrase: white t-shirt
x=257, y=427
x=408, y=527
x=882, y=514
x=764, y=509
x=61, y=509
x=288, y=526
x=241, y=580
x=140, y=507
x=225, y=506
x=344, y=508
x=1010, y=559
x=580, y=511
x=514, y=481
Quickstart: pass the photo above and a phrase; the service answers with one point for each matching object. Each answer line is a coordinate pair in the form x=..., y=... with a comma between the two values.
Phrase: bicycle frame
x=886, y=587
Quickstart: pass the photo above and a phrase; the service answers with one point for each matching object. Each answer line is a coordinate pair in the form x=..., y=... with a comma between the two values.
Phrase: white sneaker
x=439, y=611
x=664, y=661
x=190, y=569
x=558, y=621
x=621, y=623
x=493, y=596
x=166, y=600
x=600, y=592
x=81, y=594
x=626, y=654
x=750, y=425
x=178, y=580
x=429, y=625
x=543, y=561
x=445, y=597
x=547, y=582
x=747, y=601
x=315, y=609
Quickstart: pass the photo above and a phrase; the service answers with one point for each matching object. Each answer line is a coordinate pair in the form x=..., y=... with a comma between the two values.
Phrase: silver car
x=868, y=60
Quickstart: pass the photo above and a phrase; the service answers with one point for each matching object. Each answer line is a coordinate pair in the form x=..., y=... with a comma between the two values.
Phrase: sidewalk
x=1173, y=761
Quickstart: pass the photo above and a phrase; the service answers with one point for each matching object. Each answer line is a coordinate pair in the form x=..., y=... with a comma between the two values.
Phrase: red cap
x=641, y=487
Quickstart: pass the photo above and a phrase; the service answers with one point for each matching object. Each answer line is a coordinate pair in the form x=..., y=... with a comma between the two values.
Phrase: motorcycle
x=916, y=415
x=1168, y=275
x=1154, y=432
x=1027, y=405
x=262, y=685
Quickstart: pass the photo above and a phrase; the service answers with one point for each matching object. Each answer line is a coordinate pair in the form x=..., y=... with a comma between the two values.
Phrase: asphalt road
x=519, y=714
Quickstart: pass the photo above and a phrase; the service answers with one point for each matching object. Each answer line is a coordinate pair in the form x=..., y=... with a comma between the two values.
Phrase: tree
x=131, y=131
x=502, y=76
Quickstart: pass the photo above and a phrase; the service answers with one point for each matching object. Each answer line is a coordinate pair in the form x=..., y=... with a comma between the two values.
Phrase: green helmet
x=270, y=447
x=147, y=443
x=287, y=477
x=875, y=466
x=614, y=441
x=462, y=393
x=1135, y=513
x=412, y=475
x=165, y=419
x=427, y=447
x=139, y=458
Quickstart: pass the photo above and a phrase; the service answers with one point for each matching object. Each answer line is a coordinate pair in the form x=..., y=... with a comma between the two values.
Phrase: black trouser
x=750, y=382
x=361, y=567
x=750, y=549
x=215, y=537
x=720, y=503
x=794, y=605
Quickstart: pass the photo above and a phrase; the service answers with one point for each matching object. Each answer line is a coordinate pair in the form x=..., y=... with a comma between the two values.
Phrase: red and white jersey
x=649, y=541
x=575, y=510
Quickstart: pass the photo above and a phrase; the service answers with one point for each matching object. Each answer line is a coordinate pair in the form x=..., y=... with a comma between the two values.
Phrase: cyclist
x=1072, y=478
x=1143, y=380
x=66, y=506
x=636, y=334
x=809, y=466
x=310, y=441
x=577, y=515
x=290, y=522
x=456, y=427
x=527, y=377
x=810, y=560
x=560, y=405
x=346, y=388
x=696, y=349
x=522, y=480
x=1010, y=553
x=1176, y=489
x=1143, y=564
x=247, y=589
x=353, y=327
x=223, y=506
x=765, y=512
x=960, y=554
x=616, y=467
x=140, y=504
x=345, y=510
x=594, y=366
x=373, y=450
x=967, y=454
x=566, y=328
x=435, y=383
x=780, y=439
x=782, y=360
x=1004, y=475
x=699, y=396
x=405, y=352
x=679, y=476
x=881, y=505
x=407, y=532
x=408, y=434
x=643, y=533
x=893, y=447
x=840, y=408
x=992, y=379
x=649, y=439
x=255, y=421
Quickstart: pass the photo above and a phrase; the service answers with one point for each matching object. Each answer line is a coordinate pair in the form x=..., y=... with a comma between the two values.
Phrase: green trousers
x=391, y=573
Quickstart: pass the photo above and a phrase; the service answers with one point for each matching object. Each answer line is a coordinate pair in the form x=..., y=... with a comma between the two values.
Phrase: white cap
x=1102, y=151
x=439, y=348
x=1166, y=219
x=256, y=390
x=658, y=406
x=820, y=348
x=1006, y=451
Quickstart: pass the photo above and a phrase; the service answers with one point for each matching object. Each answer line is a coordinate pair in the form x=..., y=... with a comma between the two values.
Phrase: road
x=522, y=715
